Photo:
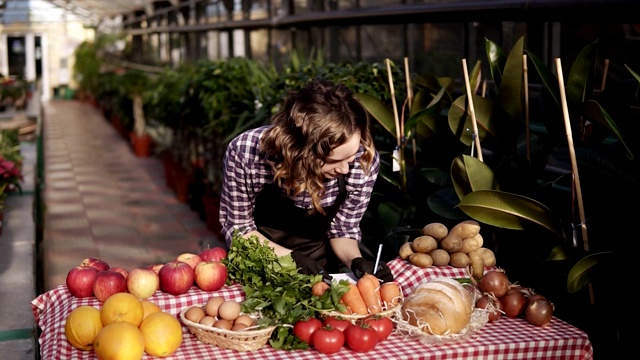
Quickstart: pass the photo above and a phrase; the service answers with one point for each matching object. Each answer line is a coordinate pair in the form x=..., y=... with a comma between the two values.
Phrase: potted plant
x=135, y=83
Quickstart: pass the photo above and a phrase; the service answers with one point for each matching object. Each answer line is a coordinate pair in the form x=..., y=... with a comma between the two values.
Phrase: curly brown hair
x=311, y=123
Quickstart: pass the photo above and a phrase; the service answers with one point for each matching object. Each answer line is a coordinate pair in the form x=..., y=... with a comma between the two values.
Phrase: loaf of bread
x=441, y=306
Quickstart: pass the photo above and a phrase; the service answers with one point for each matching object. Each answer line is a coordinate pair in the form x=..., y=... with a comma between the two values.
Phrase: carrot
x=390, y=294
x=319, y=288
x=346, y=311
x=354, y=301
x=369, y=287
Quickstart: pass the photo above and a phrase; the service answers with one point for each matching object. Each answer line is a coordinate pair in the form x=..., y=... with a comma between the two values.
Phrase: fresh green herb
x=274, y=288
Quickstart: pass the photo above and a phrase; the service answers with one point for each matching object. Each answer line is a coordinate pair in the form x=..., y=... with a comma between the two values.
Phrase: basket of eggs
x=221, y=323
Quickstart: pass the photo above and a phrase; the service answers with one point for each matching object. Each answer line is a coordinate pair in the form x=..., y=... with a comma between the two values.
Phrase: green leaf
x=510, y=211
x=497, y=60
x=460, y=119
x=557, y=253
x=470, y=174
x=436, y=176
x=379, y=111
x=510, y=93
x=581, y=76
x=579, y=275
x=592, y=110
x=443, y=202
x=549, y=80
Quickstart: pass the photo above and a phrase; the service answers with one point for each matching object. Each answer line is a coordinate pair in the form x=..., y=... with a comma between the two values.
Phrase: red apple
x=189, y=258
x=80, y=281
x=213, y=254
x=210, y=275
x=143, y=283
x=121, y=270
x=176, y=277
x=107, y=283
x=96, y=263
x=155, y=267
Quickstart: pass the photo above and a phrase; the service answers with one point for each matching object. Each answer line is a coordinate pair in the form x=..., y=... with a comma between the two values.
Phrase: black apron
x=278, y=219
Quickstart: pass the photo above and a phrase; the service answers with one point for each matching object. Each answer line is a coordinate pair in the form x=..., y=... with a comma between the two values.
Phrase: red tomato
x=304, y=328
x=382, y=325
x=336, y=323
x=328, y=340
x=360, y=337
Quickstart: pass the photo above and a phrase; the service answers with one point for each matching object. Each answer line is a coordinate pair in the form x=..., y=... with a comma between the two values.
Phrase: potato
x=451, y=243
x=466, y=229
x=459, y=260
x=405, y=250
x=488, y=257
x=421, y=260
x=477, y=264
x=479, y=239
x=469, y=245
x=436, y=230
x=424, y=244
x=440, y=257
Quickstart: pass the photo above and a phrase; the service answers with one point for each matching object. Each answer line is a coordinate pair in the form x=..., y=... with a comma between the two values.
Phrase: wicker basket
x=243, y=340
x=390, y=313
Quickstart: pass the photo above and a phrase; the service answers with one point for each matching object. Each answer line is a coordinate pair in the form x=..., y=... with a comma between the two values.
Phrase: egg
x=229, y=310
x=238, y=327
x=207, y=320
x=194, y=313
x=243, y=319
x=223, y=324
x=212, y=305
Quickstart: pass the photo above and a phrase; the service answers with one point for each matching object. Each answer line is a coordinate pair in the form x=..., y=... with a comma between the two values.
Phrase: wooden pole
x=407, y=76
x=526, y=105
x=604, y=74
x=572, y=153
x=474, y=124
x=395, y=107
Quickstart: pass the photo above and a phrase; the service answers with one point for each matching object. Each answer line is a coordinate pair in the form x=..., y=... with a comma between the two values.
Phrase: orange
x=82, y=326
x=122, y=307
x=149, y=308
x=162, y=334
x=119, y=341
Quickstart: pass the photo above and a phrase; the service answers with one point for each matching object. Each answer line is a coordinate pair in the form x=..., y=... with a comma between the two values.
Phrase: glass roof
x=97, y=10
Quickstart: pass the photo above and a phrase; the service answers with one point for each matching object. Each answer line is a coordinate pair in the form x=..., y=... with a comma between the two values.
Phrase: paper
x=344, y=276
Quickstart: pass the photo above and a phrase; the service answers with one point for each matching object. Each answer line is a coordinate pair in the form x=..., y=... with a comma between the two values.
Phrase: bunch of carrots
x=366, y=297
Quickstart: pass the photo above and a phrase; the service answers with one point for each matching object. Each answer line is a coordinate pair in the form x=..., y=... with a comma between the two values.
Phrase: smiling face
x=338, y=161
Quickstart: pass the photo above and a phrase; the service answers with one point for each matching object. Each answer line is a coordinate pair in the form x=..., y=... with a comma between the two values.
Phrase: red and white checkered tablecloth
x=505, y=339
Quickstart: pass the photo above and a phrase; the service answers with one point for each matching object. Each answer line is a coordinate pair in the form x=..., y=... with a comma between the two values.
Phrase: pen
x=375, y=267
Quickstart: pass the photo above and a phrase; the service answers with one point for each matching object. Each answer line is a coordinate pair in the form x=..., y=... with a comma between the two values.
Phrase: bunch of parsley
x=275, y=289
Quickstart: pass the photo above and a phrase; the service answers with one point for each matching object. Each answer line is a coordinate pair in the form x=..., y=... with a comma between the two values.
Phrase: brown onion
x=513, y=303
x=495, y=282
x=492, y=305
x=539, y=312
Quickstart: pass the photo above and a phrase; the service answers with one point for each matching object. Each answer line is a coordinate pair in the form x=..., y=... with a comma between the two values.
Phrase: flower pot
x=141, y=144
x=182, y=180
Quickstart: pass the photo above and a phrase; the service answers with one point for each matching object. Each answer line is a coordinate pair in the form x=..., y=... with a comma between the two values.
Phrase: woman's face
x=338, y=161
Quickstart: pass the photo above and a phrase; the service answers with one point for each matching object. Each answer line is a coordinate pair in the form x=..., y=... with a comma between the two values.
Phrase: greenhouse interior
x=503, y=125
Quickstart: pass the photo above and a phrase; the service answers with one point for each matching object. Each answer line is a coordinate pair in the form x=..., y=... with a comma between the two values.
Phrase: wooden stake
x=526, y=105
x=407, y=76
x=604, y=74
x=474, y=124
x=393, y=101
x=572, y=153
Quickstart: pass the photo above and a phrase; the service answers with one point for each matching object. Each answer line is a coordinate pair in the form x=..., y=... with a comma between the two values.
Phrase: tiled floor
x=102, y=201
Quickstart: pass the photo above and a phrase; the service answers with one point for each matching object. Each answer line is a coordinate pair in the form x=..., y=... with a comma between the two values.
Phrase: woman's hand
x=308, y=266
x=360, y=266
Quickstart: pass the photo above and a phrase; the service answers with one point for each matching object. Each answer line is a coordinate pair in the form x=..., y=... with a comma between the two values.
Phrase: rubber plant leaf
x=392, y=215
x=579, y=275
x=379, y=111
x=436, y=176
x=582, y=74
x=592, y=110
x=460, y=120
x=508, y=210
x=475, y=77
x=634, y=74
x=557, y=253
x=549, y=80
x=390, y=176
x=443, y=203
x=497, y=59
x=510, y=93
x=470, y=174
x=425, y=115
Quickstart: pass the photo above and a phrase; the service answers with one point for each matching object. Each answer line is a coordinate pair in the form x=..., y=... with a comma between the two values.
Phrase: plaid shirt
x=246, y=172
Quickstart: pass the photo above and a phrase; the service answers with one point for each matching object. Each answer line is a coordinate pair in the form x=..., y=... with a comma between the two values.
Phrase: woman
x=304, y=182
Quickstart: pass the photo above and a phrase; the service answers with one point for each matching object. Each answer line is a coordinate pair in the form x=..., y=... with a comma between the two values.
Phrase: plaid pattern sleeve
x=346, y=223
x=244, y=176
